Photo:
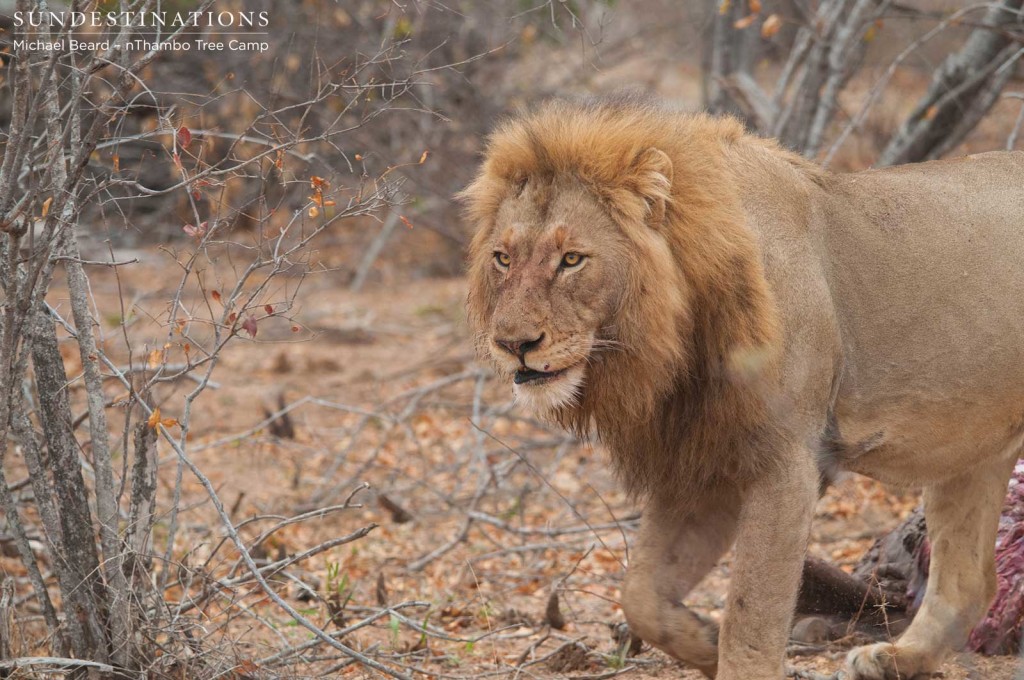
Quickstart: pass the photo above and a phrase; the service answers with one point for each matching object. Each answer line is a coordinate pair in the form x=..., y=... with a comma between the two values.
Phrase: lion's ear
x=651, y=175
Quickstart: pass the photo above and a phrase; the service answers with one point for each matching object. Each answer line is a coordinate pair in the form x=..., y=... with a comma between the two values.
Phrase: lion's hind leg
x=962, y=515
x=675, y=549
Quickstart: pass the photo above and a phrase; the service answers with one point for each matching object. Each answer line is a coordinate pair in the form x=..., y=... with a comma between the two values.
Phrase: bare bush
x=89, y=140
x=829, y=49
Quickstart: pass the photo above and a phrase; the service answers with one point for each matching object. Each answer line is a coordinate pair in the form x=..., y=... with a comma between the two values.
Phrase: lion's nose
x=519, y=348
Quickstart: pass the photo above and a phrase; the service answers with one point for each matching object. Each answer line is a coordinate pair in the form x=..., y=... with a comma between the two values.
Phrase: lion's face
x=552, y=271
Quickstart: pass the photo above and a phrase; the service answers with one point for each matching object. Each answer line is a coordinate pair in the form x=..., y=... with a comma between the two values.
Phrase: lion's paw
x=885, y=661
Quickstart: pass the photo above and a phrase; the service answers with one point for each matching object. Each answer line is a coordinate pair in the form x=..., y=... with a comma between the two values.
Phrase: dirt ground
x=479, y=513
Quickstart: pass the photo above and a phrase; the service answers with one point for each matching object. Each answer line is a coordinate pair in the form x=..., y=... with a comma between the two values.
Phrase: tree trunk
x=962, y=90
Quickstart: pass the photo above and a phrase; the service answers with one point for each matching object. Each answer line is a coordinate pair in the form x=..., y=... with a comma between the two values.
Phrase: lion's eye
x=502, y=259
x=572, y=260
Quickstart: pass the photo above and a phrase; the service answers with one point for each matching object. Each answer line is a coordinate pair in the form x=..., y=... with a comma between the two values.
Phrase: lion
x=737, y=325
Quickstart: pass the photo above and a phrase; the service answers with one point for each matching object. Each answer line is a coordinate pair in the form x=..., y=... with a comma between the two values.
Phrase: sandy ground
x=481, y=512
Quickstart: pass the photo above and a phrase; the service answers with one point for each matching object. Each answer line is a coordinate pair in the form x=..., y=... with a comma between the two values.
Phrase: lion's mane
x=674, y=403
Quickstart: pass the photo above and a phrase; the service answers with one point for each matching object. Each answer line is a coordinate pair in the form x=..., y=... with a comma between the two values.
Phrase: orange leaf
x=932, y=111
x=745, y=22
x=873, y=30
x=359, y=156
x=423, y=158
x=405, y=221
x=154, y=418
x=155, y=357
x=295, y=329
x=755, y=6
x=723, y=7
x=117, y=163
x=248, y=667
x=771, y=26
x=314, y=211
x=215, y=295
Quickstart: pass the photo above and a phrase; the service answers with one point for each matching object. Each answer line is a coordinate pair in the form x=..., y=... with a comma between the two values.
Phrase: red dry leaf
x=184, y=136
x=215, y=295
x=249, y=326
x=269, y=309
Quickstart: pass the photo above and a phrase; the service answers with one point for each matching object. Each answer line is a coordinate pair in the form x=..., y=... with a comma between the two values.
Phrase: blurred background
x=246, y=433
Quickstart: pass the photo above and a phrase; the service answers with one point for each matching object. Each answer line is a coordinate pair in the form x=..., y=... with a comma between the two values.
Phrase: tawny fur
x=677, y=333
x=742, y=322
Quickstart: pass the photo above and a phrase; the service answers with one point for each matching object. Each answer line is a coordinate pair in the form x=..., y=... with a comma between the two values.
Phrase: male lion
x=738, y=325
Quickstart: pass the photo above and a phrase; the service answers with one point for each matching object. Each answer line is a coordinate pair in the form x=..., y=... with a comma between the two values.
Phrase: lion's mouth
x=528, y=375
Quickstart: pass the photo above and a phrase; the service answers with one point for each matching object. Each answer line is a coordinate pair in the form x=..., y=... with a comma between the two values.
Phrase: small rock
x=811, y=630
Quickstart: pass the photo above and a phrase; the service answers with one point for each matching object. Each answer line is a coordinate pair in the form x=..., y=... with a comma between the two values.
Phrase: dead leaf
x=745, y=22
x=553, y=612
x=771, y=26
x=399, y=515
x=249, y=326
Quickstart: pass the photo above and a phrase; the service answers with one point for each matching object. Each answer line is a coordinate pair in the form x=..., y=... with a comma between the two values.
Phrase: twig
x=61, y=662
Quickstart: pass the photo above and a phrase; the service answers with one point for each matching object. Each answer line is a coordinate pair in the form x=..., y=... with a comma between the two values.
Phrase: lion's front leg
x=773, y=532
x=676, y=547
